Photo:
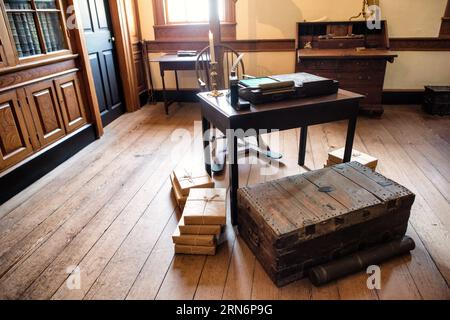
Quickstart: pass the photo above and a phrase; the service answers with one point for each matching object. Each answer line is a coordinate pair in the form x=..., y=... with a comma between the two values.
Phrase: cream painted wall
x=147, y=19
x=413, y=70
x=265, y=19
x=276, y=19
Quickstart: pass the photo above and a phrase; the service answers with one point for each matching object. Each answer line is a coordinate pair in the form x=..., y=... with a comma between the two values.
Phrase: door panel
x=71, y=101
x=112, y=78
x=98, y=81
x=100, y=44
x=46, y=112
x=102, y=21
x=86, y=18
x=14, y=139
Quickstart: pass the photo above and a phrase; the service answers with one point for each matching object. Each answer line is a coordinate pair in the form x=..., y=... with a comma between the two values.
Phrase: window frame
x=445, y=22
x=166, y=15
x=60, y=9
x=191, y=31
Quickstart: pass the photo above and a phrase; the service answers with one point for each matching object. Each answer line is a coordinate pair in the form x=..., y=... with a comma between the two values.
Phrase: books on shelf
x=15, y=35
x=34, y=35
x=46, y=31
x=20, y=26
x=24, y=27
x=33, y=43
x=52, y=32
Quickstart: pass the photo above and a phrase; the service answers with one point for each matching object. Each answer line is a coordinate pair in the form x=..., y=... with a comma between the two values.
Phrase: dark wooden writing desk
x=283, y=115
x=337, y=57
x=172, y=62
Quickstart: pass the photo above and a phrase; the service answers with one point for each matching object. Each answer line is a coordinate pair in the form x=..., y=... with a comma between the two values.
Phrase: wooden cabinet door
x=6, y=49
x=14, y=138
x=71, y=102
x=46, y=112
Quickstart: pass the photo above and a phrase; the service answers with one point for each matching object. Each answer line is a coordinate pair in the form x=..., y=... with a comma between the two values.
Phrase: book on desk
x=287, y=86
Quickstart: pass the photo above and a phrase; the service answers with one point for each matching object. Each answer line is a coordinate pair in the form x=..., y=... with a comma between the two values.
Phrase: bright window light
x=191, y=11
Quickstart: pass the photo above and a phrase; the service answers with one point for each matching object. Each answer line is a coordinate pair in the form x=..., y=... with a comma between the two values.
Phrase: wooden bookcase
x=40, y=79
x=329, y=49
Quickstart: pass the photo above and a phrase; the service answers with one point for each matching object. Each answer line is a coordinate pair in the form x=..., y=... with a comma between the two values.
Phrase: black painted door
x=96, y=21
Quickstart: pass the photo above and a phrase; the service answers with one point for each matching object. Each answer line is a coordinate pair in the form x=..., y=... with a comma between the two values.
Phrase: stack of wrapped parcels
x=183, y=180
x=201, y=227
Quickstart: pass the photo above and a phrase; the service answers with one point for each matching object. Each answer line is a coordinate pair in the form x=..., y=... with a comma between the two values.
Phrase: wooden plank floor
x=108, y=213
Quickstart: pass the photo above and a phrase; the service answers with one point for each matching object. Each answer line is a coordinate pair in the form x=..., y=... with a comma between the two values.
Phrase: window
x=190, y=11
x=36, y=26
x=187, y=20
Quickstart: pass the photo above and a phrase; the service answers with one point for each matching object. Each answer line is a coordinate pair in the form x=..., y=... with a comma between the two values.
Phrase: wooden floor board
x=14, y=227
x=147, y=284
x=73, y=173
x=429, y=281
x=425, y=216
x=124, y=180
x=100, y=255
x=213, y=278
x=422, y=153
x=114, y=283
x=21, y=199
x=109, y=211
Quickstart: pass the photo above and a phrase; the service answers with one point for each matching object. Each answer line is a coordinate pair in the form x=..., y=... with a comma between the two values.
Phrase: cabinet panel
x=71, y=102
x=364, y=76
x=2, y=56
x=6, y=50
x=363, y=66
x=14, y=139
x=46, y=112
x=331, y=64
x=374, y=96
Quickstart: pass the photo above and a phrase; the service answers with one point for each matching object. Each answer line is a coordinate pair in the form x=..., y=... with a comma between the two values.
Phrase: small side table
x=172, y=62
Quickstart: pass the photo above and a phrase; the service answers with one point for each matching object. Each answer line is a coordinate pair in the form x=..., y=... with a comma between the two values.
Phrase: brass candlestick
x=213, y=76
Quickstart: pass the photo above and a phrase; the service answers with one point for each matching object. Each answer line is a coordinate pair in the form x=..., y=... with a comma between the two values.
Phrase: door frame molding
x=86, y=71
x=124, y=50
x=124, y=55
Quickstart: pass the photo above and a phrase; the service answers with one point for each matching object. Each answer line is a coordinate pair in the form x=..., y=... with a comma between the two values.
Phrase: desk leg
x=166, y=103
x=176, y=81
x=302, y=147
x=234, y=176
x=206, y=126
x=177, y=86
x=350, y=138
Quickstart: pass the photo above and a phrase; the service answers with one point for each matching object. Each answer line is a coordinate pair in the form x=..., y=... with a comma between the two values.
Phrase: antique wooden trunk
x=437, y=100
x=302, y=221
